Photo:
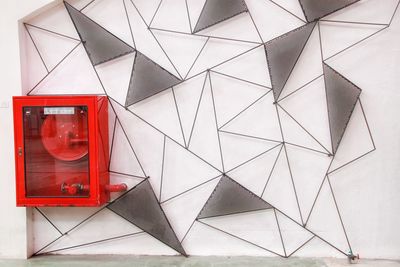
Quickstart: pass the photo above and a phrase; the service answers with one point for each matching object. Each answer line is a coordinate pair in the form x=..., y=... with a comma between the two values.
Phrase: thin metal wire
x=308, y=230
x=88, y=4
x=46, y=246
x=86, y=219
x=366, y=122
x=234, y=57
x=198, y=214
x=155, y=13
x=94, y=242
x=37, y=50
x=131, y=146
x=130, y=81
x=291, y=13
x=293, y=184
x=129, y=24
x=255, y=26
x=305, y=243
x=162, y=169
x=128, y=175
x=250, y=136
x=73, y=49
x=326, y=90
x=301, y=87
x=190, y=189
x=297, y=59
x=162, y=49
x=235, y=213
x=302, y=127
x=203, y=35
x=338, y=212
x=53, y=32
x=112, y=141
x=354, y=22
x=187, y=11
x=221, y=152
x=197, y=109
x=279, y=121
x=253, y=158
x=271, y=172
x=244, y=110
x=179, y=116
x=351, y=161
x=240, y=79
x=216, y=123
x=280, y=233
x=358, y=42
x=237, y=237
x=140, y=118
x=308, y=148
x=47, y=219
x=197, y=57
x=394, y=13
x=319, y=191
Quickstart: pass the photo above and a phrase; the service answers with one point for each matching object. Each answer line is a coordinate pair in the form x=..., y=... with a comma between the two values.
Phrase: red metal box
x=61, y=150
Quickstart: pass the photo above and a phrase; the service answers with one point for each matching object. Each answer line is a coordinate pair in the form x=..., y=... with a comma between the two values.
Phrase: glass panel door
x=56, y=151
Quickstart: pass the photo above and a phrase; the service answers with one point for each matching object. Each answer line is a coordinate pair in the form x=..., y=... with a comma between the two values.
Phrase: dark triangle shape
x=148, y=79
x=101, y=45
x=283, y=53
x=341, y=97
x=315, y=9
x=140, y=207
x=229, y=197
x=215, y=11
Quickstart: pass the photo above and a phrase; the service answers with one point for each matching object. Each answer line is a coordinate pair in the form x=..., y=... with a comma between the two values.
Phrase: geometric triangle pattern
x=215, y=11
x=315, y=9
x=342, y=96
x=140, y=207
x=51, y=46
x=283, y=53
x=229, y=197
x=214, y=147
x=101, y=45
x=147, y=79
x=129, y=165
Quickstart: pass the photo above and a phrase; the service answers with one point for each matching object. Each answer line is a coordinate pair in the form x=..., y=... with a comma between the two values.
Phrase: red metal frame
x=98, y=149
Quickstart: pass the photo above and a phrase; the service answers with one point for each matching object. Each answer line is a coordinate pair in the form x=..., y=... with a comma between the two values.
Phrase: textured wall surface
x=240, y=130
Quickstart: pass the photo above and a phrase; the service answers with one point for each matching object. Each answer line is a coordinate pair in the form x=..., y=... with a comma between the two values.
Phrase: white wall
x=13, y=228
x=366, y=191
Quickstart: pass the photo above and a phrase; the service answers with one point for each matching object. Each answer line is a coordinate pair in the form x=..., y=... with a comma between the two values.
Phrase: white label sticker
x=59, y=111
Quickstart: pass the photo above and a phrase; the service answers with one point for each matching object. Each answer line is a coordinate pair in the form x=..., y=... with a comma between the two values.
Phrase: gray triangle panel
x=215, y=11
x=229, y=197
x=315, y=9
x=140, y=207
x=100, y=44
x=148, y=79
x=283, y=53
x=342, y=96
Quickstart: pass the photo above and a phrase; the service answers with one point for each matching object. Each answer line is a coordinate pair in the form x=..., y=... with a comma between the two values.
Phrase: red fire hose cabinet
x=61, y=150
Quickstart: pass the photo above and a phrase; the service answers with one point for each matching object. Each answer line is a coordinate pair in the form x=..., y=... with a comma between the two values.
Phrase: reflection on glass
x=56, y=151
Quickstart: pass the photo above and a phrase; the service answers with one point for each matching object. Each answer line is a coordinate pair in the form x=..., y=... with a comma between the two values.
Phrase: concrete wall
x=366, y=191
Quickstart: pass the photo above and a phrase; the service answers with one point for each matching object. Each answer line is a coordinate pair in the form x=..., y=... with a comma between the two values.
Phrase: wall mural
x=227, y=119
